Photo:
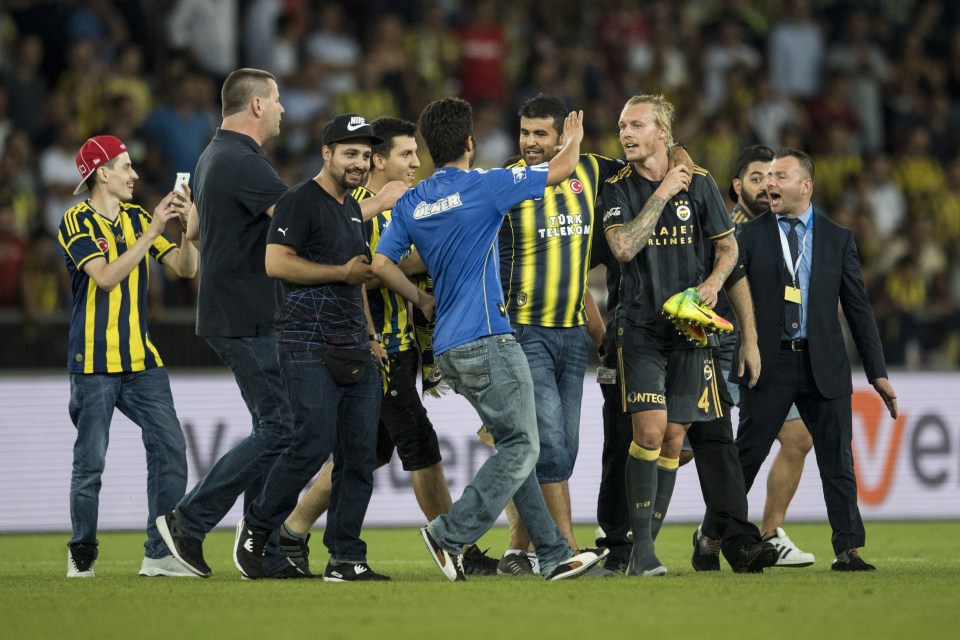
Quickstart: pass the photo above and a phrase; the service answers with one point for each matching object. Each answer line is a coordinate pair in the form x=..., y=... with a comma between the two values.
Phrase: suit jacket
x=835, y=279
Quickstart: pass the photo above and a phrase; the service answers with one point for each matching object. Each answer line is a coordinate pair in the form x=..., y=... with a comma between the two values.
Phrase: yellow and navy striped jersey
x=108, y=329
x=740, y=215
x=545, y=246
x=388, y=309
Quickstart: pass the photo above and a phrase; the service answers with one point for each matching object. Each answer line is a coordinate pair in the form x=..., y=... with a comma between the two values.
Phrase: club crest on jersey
x=521, y=299
x=576, y=186
x=707, y=372
x=683, y=210
x=103, y=244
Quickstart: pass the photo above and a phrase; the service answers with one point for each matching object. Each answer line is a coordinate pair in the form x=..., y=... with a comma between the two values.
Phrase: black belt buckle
x=797, y=345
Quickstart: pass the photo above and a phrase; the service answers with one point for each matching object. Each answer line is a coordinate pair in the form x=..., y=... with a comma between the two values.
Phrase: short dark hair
x=446, y=125
x=544, y=105
x=806, y=162
x=242, y=86
x=389, y=128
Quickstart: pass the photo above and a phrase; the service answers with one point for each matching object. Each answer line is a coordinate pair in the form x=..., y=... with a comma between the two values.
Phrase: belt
x=794, y=345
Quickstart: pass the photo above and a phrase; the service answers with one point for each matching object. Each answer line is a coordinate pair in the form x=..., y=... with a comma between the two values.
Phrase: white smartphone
x=182, y=180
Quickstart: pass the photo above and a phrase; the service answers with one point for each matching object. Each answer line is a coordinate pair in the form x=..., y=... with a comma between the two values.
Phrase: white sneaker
x=578, y=565
x=80, y=561
x=165, y=566
x=789, y=554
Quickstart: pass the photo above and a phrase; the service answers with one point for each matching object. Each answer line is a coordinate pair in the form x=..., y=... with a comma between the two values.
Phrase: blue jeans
x=558, y=363
x=493, y=375
x=241, y=470
x=328, y=418
x=145, y=398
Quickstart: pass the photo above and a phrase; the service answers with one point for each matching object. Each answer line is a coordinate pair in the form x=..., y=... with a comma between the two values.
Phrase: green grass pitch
x=915, y=593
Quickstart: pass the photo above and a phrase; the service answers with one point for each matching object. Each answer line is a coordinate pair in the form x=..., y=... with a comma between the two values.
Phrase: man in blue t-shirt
x=453, y=218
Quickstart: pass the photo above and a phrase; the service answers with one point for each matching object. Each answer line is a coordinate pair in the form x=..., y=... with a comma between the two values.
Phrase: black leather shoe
x=754, y=558
x=706, y=552
x=850, y=560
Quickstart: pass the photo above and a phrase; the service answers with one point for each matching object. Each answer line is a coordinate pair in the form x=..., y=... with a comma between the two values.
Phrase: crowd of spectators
x=870, y=88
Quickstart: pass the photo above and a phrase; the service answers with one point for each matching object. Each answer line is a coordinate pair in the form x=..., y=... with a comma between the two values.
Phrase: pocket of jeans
x=472, y=368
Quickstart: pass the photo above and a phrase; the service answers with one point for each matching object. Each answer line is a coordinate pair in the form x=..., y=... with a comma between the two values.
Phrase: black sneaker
x=291, y=572
x=615, y=564
x=451, y=566
x=517, y=565
x=706, y=552
x=296, y=549
x=185, y=548
x=478, y=563
x=754, y=558
x=80, y=560
x=850, y=560
x=356, y=572
x=248, y=550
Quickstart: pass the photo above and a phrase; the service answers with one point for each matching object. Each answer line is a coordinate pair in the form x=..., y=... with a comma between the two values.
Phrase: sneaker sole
x=579, y=571
x=236, y=543
x=166, y=574
x=168, y=539
x=794, y=564
x=433, y=554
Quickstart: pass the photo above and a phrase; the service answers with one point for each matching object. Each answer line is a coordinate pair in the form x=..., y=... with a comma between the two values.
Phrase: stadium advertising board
x=906, y=469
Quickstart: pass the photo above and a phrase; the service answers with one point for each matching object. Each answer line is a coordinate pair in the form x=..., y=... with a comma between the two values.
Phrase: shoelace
x=713, y=545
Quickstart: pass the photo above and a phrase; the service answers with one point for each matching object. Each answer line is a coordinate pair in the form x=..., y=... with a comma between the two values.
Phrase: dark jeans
x=145, y=398
x=328, y=418
x=242, y=470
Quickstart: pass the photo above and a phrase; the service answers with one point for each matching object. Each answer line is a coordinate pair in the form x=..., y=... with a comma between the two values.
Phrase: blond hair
x=663, y=112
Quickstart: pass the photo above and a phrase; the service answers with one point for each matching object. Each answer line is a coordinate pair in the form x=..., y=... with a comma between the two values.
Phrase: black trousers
x=612, y=497
x=721, y=482
x=718, y=468
x=830, y=421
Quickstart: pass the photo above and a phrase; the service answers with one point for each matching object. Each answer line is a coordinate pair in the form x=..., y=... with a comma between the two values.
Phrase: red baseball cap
x=96, y=152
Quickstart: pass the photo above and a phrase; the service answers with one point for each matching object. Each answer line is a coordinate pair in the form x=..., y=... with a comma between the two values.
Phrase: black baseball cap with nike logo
x=348, y=126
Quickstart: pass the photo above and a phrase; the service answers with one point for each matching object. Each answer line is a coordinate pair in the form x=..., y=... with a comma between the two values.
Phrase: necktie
x=791, y=312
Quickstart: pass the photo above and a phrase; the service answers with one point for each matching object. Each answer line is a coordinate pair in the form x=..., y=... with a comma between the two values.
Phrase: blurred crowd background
x=871, y=89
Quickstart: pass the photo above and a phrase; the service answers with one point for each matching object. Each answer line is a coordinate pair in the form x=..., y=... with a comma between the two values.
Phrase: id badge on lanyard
x=791, y=292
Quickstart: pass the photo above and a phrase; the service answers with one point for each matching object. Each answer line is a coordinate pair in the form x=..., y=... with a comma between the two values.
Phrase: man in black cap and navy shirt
x=329, y=356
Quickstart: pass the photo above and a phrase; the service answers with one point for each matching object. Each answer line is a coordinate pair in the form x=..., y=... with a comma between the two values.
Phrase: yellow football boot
x=689, y=309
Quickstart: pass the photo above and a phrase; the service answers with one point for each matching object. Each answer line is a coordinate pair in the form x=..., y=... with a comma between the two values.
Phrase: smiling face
x=789, y=187
x=402, y=161
x=640, y=134
x=538, y=140
x=347, y=163
x=118, y=177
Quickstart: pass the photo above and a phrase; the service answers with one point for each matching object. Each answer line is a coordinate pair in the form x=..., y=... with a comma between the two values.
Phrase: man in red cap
x=112, y=362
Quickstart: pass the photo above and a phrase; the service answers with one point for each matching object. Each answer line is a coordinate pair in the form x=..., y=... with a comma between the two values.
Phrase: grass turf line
x=914, y=590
